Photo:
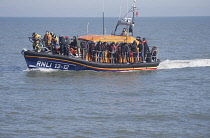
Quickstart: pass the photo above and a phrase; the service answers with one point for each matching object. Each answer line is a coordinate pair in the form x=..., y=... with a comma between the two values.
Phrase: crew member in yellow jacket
x=47, y=39
x=36, y=41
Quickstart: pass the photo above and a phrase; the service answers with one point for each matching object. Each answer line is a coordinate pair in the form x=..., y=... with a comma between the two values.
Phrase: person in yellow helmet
x=36, y=41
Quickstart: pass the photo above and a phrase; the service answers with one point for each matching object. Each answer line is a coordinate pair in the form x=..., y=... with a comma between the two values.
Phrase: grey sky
x=94, y=8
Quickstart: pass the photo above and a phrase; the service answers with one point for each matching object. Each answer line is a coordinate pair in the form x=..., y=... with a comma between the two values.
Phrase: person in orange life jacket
x=47, y=38
x=62, y=44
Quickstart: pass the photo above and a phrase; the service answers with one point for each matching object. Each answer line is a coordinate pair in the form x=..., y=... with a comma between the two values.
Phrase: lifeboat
x=98, y=52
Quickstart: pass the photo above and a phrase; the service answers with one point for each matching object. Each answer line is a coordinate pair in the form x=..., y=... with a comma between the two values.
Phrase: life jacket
x=49, y=37
x=36, y=37
x=55, y=40
x=45, y=37
x=143, y=42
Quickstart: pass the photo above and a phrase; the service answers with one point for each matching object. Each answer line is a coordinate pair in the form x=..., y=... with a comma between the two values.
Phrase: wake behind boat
x=94, y=52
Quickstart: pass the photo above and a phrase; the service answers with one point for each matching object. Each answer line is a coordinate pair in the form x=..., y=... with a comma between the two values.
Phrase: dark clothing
x=146, y=48
x=92, y=51
x=62, y=44
x=68, y=41
x=76, y=42
x=66, y=50
x=140, y=46
x=85, y=47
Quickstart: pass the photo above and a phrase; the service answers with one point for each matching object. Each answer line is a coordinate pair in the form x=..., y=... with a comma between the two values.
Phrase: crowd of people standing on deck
x=104, y=52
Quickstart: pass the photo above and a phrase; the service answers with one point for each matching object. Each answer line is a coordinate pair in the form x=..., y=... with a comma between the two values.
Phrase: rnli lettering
x=44, y=64
x=53, y=65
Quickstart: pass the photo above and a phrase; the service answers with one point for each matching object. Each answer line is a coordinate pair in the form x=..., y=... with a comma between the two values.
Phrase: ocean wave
x=173, y=64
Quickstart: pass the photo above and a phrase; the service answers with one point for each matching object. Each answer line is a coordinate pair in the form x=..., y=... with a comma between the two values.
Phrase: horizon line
x=96, y=16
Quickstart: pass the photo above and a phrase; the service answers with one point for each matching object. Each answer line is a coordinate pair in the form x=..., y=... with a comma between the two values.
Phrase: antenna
x=103, y=17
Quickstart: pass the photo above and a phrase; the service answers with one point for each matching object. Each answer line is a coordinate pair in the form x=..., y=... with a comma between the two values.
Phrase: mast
x=128, y=21
x=133, y=19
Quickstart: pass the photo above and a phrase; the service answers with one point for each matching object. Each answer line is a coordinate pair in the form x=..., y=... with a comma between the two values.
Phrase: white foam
x=172, y=64
x=41, y=69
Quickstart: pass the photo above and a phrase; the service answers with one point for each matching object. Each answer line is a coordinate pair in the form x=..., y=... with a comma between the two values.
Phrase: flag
x=137, y=14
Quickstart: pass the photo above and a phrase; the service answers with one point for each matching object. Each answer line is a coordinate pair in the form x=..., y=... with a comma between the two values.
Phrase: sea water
x=172, y=101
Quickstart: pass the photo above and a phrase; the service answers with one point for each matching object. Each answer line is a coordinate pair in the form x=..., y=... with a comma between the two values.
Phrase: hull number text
x=51, y=65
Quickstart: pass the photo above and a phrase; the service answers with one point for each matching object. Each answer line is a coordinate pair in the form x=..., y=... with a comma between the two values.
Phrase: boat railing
x=120, y=57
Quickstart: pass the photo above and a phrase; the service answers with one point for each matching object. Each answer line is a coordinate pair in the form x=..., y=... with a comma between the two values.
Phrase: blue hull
x=59, y=62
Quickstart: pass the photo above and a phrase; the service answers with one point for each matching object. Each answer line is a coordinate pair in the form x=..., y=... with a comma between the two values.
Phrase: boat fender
x=22, y=52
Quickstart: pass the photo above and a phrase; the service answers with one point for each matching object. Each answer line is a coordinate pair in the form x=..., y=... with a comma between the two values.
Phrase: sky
x=94, y=8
